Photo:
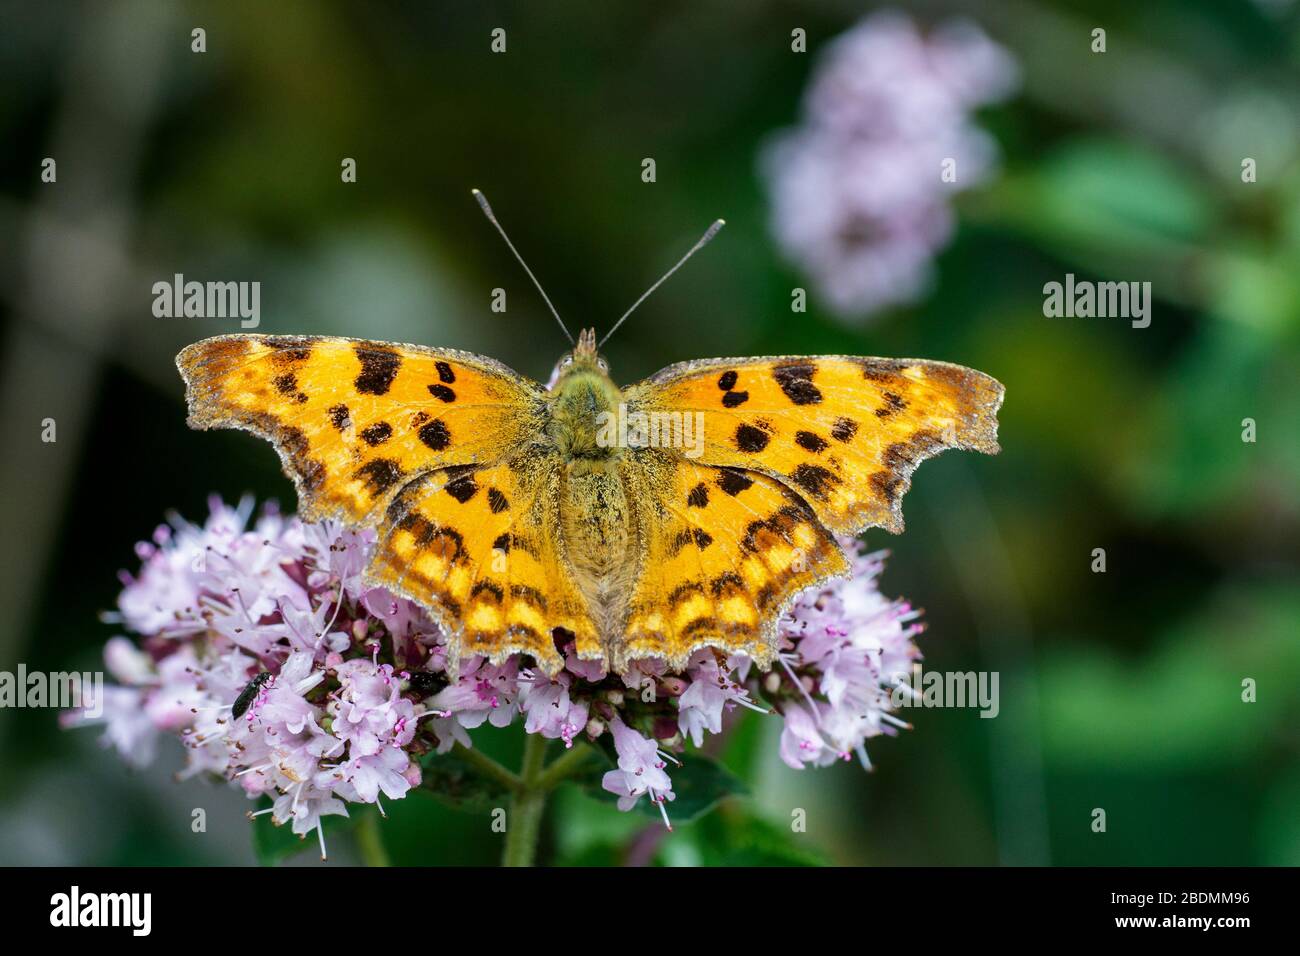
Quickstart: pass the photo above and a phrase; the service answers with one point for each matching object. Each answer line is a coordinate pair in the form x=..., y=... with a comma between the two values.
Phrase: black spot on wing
x=733, y=482
x=442, y=393
x=435, y=435
x=462, y=487
x=881, y=370
x=706, y=623
x=810, y=441
x=781, y=524
x=445, y=374
x=290, y=349
x=379, y=475
x=699, y=496
x=378, y=369
x=844, y=429
x=796, y=381
x=340, y=418
x=497, y=502
x=893, y=403
x=734, y=399
x=751, y=439
x=814, y=479
x=377, y=434
x=287, y=384
x=727, y=380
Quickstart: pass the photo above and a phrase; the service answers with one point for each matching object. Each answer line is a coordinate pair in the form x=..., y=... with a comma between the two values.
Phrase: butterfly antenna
x=704, y=240
x=487, y=211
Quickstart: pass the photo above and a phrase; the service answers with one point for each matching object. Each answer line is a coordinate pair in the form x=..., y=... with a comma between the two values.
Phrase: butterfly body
x=521, y=519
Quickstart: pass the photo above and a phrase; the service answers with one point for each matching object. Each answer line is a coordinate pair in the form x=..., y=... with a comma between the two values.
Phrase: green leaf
x=737, y=837
x=698, y=784
x=1180, y=706
x=1184, y=454
x=458, y=783
x=1109, y=206
x=588, y=831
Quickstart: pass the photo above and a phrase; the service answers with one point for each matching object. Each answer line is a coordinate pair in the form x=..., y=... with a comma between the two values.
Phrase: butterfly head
x=582, y=364
x=582, y=397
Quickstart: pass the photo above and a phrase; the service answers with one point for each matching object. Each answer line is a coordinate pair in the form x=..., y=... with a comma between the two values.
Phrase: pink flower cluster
x=263, y=650
x=860, y=188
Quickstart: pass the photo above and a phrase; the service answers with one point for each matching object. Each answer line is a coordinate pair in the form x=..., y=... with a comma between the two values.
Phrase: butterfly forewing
x=352, y=420
x=844, y=433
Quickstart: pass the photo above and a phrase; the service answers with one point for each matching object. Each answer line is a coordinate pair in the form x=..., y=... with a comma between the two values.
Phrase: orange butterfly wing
x=431, y=447
x=480, y=544
x=793, y=450
x=725, y=550
x=844, y=433
x=354, y=420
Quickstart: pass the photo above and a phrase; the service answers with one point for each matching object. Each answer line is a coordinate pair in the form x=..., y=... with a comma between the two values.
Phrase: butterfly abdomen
x=596, y=518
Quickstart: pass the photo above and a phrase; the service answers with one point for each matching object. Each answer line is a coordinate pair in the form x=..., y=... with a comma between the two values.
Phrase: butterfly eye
x=602, y=365
x=566, y=361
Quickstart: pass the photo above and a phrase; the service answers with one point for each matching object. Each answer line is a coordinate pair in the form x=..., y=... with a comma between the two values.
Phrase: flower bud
x=672, y=686
x=666, y=732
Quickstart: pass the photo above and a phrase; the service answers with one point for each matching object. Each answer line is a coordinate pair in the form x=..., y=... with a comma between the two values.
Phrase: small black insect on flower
x=245, y=698
x=427, y=684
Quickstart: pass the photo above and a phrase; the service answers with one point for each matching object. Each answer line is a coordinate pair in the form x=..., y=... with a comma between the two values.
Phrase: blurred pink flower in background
x=859, y=200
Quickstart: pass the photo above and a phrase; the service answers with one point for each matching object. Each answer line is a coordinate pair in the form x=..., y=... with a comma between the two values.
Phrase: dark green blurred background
x=1120, y=690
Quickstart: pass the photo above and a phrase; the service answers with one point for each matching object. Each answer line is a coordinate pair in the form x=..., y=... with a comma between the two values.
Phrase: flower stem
x=565, y=767
x=370, y=842
x=488, y=767
x=524, y=823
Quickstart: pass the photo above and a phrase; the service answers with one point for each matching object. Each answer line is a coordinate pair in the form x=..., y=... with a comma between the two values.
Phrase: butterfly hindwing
x=725, y=550
x=354, y=420
x=844, y=433
x=478, y=545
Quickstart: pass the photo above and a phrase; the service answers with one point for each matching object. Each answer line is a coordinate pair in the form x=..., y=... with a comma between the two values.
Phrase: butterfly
x=524, y=516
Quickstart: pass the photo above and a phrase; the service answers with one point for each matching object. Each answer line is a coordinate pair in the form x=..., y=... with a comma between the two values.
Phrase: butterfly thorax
x=582, y=399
